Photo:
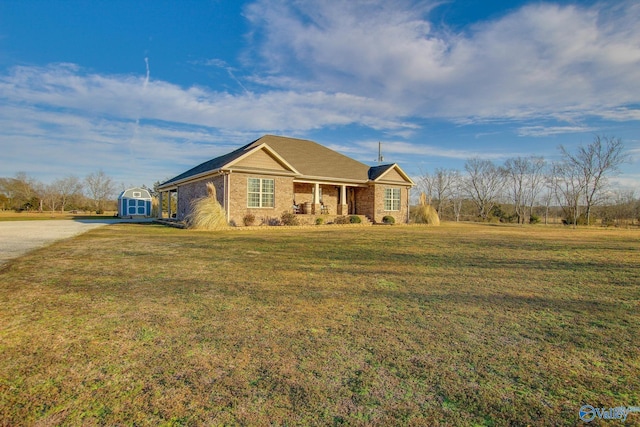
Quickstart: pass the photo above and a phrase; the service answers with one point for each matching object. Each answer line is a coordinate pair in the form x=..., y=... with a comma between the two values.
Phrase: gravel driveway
x=20, y=237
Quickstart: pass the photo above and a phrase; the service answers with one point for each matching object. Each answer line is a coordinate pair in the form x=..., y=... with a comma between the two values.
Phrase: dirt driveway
x=20, y=237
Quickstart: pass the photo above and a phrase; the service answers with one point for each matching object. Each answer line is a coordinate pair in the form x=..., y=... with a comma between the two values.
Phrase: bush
x=582, y=220
x=249, y=219
x=534, y=219
x=388, y=219
x=288, y=218
x=425, y=214
x=341, y=220
x=271, y=221
x=319, y=221
x=355, y=219
x=99, y=211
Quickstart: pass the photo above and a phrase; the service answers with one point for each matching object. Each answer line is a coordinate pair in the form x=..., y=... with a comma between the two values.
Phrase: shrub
x=582, y=220
x=288, y=218
x=249, y=219
x=319, y=221
x=425, y=214
x=355, y=219
x=388, y=219
x=534, y=219
x=271, y=221
x=206, y=212
x=341, y=220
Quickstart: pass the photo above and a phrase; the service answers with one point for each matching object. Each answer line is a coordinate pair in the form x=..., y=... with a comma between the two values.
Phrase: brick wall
x=401, y=215
x=369, y=201
x=238, y=198
x=195, y=190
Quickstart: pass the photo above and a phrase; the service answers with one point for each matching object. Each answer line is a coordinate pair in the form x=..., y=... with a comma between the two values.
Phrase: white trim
x=392, y=199
x=261, y=193
x=400, y=172
x=264, y=146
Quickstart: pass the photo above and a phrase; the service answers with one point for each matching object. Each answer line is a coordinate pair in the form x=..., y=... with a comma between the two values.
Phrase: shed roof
x=140, y=193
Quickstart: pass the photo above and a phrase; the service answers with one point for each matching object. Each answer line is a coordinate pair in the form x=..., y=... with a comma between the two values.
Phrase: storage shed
x=134, y=202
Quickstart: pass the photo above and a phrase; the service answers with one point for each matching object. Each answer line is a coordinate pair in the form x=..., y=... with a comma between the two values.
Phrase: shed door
x=132, y=207
x=142, y=207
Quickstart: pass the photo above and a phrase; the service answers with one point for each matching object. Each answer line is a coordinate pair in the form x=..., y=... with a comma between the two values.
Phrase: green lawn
x=452, y=325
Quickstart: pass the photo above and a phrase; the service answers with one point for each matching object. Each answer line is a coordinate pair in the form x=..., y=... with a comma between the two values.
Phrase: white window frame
x=392, y=197
x=266, y=198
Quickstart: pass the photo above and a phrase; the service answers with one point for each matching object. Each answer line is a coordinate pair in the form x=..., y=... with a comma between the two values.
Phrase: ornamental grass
x=425, y=213
x=206, y=212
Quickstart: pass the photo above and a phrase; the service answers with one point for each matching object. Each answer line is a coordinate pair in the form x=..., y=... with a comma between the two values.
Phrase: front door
x=351, y=200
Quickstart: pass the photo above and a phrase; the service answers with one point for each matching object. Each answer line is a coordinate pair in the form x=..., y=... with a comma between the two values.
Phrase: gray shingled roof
x=314, y=160
x=210, y=165
x=309, y=158
x=376, y=172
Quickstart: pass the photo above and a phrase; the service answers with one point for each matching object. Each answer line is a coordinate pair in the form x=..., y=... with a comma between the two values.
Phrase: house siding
x=238, y=206
x=400, y=215
x=195, y=190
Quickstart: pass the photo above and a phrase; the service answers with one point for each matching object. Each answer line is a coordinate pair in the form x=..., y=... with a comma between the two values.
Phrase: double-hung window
x=260, y=193
x=391, y=199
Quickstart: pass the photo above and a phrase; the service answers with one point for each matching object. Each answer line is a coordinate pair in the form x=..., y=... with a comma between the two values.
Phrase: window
x=260, y=193
x=391, y=199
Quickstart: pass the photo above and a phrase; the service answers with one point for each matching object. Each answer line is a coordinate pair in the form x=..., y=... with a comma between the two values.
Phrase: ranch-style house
x=276, y=174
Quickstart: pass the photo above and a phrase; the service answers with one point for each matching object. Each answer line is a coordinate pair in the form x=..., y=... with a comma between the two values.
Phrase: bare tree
x=484, y=184
x=620, y=208
x=569, y=189
x=100, y=188
x=22, y=191
x=524, y=183
x=517, y=171
x=595, y=162
x=550, y=183
x=67, y=188
x=536, y=181
x=457, y=194
x=50, y=197
x=438, y=187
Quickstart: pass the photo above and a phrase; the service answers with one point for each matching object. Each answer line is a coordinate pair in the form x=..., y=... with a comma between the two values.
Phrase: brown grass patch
x=455, y=325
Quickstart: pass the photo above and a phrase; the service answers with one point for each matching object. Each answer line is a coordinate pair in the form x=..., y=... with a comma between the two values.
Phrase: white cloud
x=552, y=130
x=539, y=60
x=132, y=98
x=369, y=63
x=395, y=149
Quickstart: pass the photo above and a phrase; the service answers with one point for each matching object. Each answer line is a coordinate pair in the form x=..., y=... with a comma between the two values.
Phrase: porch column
x=169, y=204
x=316, y=199
x=344, y=207
x=160, y=204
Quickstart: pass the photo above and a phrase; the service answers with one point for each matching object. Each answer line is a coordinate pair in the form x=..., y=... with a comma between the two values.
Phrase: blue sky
x=145, y=90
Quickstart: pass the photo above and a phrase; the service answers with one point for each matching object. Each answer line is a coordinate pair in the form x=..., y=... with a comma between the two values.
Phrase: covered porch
x=325, y=198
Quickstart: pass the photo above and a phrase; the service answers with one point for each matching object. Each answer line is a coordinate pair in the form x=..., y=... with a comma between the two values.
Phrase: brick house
x=275, y=174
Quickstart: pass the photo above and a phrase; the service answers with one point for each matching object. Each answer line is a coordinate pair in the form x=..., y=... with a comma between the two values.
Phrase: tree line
x=95, y=192
x=527, y=189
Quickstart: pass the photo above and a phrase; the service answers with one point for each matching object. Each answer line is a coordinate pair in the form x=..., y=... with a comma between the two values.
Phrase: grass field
x=452, y=325
x=36, y=216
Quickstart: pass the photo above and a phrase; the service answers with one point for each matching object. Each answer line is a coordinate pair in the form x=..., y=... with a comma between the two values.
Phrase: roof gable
x=313, y=160
x=389, y=173
x=261, y=157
